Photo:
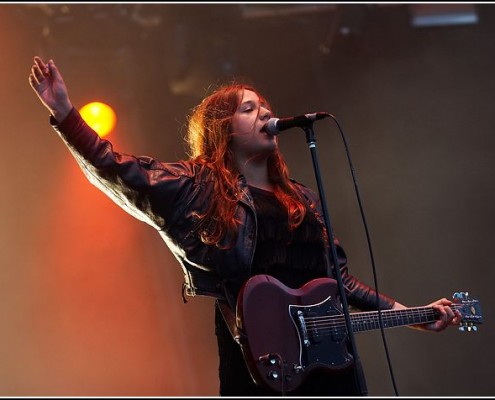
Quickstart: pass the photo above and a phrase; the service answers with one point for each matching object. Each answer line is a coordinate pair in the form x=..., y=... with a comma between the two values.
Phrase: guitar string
x=357, y=325
x=324, y=319
x=336, y=320
x=385, y=313
x=361, y=324
x=390, y=316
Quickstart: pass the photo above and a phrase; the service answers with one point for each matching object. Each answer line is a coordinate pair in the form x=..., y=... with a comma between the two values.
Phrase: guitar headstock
x=470, y=310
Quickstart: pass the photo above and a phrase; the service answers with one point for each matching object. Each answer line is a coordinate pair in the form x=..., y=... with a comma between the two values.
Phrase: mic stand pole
x=358, y=369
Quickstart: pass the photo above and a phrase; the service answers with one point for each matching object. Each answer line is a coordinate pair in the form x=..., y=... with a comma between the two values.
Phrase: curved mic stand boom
x=358, y=370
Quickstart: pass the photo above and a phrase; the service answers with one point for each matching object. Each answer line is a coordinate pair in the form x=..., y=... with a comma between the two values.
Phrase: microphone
x=276, y=125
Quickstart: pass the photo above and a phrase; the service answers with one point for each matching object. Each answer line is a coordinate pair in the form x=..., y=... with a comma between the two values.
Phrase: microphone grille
x=271, y=126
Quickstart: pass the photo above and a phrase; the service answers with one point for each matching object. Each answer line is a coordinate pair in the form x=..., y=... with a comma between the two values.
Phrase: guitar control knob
x=273, y=375
x=269, y=359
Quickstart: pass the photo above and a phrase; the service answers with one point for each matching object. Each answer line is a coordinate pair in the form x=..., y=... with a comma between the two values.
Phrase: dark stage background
x=90, y=298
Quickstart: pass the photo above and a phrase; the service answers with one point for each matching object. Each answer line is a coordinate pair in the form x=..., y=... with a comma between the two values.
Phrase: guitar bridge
x=303, y=329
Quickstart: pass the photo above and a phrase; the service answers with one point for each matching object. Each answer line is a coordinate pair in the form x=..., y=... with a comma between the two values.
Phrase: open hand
x=47, y=82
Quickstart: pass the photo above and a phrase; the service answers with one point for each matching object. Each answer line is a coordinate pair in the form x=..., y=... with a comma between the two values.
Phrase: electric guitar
x=286, y=333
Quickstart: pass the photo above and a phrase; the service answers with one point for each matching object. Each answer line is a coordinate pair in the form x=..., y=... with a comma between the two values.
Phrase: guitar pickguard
x=321, y=339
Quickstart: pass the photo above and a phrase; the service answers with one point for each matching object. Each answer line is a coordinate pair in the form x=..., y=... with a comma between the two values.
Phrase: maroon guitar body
x=287, y=333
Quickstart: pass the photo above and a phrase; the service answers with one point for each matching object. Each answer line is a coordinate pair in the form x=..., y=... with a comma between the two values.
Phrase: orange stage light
x=100, y=117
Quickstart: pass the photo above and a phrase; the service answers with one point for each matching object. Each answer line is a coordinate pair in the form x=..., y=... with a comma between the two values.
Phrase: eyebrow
x=253, y=103
x=249, y=102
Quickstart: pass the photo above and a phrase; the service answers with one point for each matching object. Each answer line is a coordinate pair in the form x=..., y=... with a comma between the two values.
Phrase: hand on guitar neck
x=447, y=316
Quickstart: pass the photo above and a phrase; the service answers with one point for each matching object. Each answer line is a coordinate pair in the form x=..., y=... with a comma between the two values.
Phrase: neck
x=255, y=170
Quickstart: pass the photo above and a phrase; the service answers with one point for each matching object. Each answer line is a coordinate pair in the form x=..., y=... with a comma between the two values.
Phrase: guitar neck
x=370, y=320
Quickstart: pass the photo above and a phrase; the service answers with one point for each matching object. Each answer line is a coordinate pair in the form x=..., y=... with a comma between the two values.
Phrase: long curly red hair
x=208, y=138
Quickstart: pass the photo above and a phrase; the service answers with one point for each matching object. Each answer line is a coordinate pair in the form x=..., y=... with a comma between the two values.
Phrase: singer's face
x=247, y=139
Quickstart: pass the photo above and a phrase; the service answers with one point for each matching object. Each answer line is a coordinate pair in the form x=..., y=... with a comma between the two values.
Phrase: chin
x=271, y=148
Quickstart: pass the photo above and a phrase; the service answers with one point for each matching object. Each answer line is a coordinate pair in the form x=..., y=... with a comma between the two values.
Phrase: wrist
x=60, y=112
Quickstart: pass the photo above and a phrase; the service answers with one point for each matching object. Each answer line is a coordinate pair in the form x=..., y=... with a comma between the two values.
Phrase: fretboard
x=369, y=320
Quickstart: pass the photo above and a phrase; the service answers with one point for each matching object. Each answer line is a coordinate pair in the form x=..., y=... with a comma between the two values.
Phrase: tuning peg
x=469, y=328
x=460, y=296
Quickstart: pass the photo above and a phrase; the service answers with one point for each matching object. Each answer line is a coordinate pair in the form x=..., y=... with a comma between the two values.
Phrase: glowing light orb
x=100, y=117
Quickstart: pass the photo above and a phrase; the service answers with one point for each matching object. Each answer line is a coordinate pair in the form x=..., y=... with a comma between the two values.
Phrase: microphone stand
x=358, y=370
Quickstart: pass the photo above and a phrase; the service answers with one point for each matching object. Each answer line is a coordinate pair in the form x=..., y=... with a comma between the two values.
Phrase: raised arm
x=147, y=189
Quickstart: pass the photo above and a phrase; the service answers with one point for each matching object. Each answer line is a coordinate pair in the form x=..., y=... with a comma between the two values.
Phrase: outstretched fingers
x=36, y=75
x=39, y=71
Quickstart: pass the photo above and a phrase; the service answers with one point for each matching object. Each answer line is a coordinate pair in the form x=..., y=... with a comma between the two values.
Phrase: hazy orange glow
x=100, y=117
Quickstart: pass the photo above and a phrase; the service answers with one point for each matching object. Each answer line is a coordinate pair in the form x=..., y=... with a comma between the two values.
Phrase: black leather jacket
x=168, y=196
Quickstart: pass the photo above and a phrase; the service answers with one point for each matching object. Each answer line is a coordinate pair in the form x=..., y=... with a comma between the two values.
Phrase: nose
x=265, y=114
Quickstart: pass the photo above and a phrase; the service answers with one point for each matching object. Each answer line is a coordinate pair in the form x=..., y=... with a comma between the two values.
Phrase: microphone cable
x=369, y=248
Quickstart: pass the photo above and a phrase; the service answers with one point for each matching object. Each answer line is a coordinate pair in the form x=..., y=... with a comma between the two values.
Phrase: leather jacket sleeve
x=359, y=294
x=140, y=185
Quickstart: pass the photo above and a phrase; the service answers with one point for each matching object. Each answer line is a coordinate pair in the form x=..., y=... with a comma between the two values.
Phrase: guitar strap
x=230, y=320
